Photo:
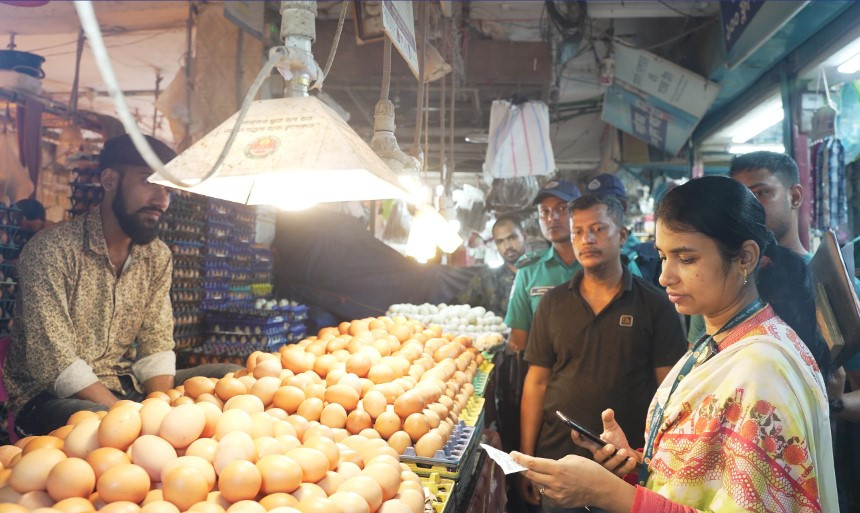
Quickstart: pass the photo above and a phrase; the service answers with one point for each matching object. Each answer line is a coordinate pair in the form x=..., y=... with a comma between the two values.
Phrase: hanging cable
x=386, y=70
x=334, y=45
x=419, y=110
x=90, y=25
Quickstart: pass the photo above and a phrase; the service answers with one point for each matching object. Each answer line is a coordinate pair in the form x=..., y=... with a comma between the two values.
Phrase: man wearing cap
x=93, y=321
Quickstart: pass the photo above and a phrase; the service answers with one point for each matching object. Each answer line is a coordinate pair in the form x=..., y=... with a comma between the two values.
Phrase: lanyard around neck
x=697, y=352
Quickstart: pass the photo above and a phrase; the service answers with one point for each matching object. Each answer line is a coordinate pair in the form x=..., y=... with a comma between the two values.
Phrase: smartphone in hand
x=583, y=431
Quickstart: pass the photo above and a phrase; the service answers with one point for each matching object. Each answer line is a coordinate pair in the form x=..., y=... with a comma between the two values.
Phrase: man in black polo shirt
x=604, y=340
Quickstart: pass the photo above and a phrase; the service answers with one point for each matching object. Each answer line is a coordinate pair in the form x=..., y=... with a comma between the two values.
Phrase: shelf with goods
x=11, y=241
x=85, y=185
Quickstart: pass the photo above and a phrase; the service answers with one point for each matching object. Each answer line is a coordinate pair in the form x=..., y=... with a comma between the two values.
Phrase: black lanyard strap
x=704, y=349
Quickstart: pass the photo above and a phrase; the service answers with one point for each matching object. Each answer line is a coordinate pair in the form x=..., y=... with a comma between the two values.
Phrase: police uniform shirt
x=531, y=283
x=601, y=361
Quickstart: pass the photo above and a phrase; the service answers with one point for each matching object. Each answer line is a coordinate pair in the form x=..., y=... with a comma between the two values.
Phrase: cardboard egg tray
x=471, y=414
x=440, y=491
x=450, y=461
x=482, y=377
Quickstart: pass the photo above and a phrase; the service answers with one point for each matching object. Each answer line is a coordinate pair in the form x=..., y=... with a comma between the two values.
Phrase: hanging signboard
x=655, y=100
x=399, y=23
x=748, y=24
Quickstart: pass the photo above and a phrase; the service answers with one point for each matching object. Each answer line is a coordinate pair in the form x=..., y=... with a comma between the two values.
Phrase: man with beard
x=605, y=339
x=491, y=288
x=93, y=321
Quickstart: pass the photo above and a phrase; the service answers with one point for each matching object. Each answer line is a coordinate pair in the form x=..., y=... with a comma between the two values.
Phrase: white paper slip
x=504, y=460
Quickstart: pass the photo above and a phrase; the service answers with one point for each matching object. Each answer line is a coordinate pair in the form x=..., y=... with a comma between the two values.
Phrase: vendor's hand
x=571, y=482
x=621, y=462
x=836, y=385
x=528, y=491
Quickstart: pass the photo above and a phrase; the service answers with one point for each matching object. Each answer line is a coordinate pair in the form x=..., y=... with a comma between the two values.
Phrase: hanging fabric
x=29, y=116
x=831, y=200
x=519, y=140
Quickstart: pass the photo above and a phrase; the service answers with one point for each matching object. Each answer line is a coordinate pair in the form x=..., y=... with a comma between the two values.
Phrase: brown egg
x=265, y=388
x=204, y=448
x=399, y=441
x=229, y=387
x=211, y=398
x=248, y=402
x=408, y=403
x=151, y=415
x=31, y=472
x=79, y=416
x=126, y=482
x=182, y=425
x=357, y=421
x=288, y=398
x=386, y=476
x=427, y=446
x=151, y=453
x=43, y=442
x=387, y=423
x=263, y=425
x=279, y=473
x=271, y=367
x=308, y=490
x=83, y=438
x=71, y=477
x=278, y=499
x=316, y=390
x=235, y=446
x=246, y=507
x=153, y=495
x=36, y=499
x=416, y=425
x=206, y=507
x=200, y=465
x=120, y=507
x=394, y=506
x=367, y=488
x=299, y=423
x=13, y=508
x=325, y=446
x=284, y=427
x=350, y=502
x=330, y=482
x=343, y=395
x=412, y=498
x=317, y=505
x=159, y=507
x=7, y=452
x=211, y=414
x=311, y=408
x=216, y=498
x=185, y=485
x=359, y=364
x=197, y=385
x=297, y=360
x=232, y=421
x=314, y=463
x=74, y=505
x=374, y=403
x=317, y=429
x=239, y=480
x=334, y=416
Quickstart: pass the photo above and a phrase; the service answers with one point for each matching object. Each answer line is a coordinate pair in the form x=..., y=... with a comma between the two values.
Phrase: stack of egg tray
x=85, y=185
x=441, y=490
x=454, y=460
x=482, y=377
x=11, y=241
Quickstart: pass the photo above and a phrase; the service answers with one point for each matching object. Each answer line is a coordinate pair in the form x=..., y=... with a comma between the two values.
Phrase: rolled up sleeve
x=155, y=337
x=76, y=377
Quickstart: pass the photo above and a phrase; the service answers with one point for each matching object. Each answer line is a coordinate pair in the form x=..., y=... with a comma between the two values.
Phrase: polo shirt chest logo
x=539, y=291
x=626, y=321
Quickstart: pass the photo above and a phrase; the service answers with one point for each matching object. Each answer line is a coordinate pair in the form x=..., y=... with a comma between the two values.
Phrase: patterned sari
x=748, y=430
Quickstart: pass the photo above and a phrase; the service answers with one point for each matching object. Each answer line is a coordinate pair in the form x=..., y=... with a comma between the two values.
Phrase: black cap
x=120, y=152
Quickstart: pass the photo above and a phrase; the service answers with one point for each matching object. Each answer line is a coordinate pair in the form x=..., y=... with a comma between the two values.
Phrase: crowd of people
x=712, y=388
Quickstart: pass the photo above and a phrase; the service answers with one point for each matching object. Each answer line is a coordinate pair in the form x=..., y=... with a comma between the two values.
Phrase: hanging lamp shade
x=290, y=153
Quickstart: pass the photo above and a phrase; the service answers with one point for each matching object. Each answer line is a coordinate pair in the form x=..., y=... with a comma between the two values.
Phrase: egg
x=344, y=395
x=394, y=506
x=153, y=495
x=71, y=477
x=330, y=482
x=82, y=415
x=232, y=421
x=240, y=480
x=127, y=482
x=14, y=508
x=83, y=438
x=299, y=423
x=288, y=398
x=387, y=423
x=412, y=498
x=399, y=441
x=152, y=453
x=182, y=425
x=279, y=473
x=248, y=402
x=350, y=502
x=73, y=505
x=185, y=485
x=204, y=448
x=311, y=408
x=334, y=416
x=314, y=463
x=367, y=488
x=270, y=367
x=104, y=458
x=120, y=507
x=318, y=505
x=229, y=387
x=159, y=507
x=7, y=452
x=234, y=446
x=206, y=507
x=151, y=415
x=278, y=500
x=211, y=398
x=36, y=499
x=8, y=494
x=416, y=425
x=246, y=506
x=284, y=427
x=358, y=420
x=197, y=385
x=297, y=360
x=201, y=465
x=408, y=403
x=427, y=446
x=31, y=472
x=386, y=476
x=308, y=490
x=216, y=498
x=265, y=388
x=316, y=390
x=43, y=442
x=359, y=364
x=374, y=403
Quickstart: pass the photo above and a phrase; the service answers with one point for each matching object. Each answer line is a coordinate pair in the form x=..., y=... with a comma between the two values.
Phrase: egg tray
x=482, y=377
x=441, y=490
x=448, y=461
x=471, y=414
x=239, y=348
x=296, y=332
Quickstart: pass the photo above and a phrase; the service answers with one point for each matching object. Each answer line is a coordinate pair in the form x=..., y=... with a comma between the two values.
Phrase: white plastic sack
x=519, y=140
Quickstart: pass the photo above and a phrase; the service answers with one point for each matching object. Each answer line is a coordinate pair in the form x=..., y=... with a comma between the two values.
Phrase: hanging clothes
x=29, y=118
x=831, y=203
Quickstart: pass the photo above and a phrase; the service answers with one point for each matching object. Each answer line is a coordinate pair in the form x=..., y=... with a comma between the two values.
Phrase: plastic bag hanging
x=519, y=140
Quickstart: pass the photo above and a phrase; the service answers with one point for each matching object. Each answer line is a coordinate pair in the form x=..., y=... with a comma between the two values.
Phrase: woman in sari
x=741, y=422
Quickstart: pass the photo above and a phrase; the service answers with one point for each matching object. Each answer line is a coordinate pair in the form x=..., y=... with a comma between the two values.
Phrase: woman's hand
x=573, y=482
x=621, y=462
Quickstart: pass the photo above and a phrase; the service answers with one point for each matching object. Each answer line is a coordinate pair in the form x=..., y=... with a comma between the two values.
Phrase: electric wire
x=336, y=42
x=90, y=25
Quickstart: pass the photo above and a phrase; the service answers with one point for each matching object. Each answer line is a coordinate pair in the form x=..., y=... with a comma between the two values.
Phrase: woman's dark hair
x=727, y=212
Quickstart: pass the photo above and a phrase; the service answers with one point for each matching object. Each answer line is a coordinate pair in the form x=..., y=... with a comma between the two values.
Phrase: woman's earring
x=745, y=277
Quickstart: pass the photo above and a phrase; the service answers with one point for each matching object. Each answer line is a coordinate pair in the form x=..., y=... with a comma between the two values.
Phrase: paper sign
x=504, y=460
x=399, y=23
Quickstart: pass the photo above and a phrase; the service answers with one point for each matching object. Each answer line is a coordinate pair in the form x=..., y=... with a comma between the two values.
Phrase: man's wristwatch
x=836, y=406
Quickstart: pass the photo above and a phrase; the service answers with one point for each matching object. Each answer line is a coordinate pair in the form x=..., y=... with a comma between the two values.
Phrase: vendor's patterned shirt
x=77, y=322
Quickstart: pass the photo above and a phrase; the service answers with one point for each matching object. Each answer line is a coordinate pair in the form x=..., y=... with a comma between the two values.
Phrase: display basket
x=450, y=461
x=441, y=490
x=482, y=377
